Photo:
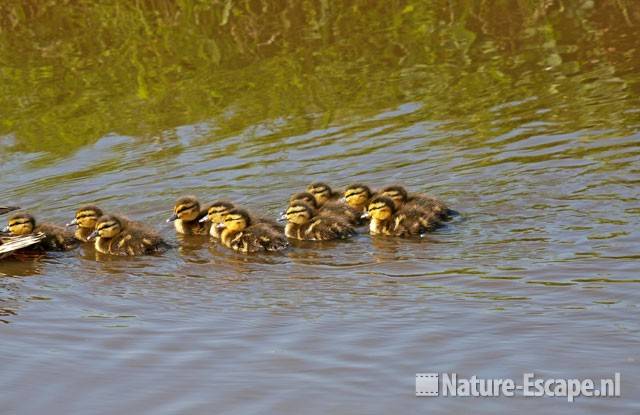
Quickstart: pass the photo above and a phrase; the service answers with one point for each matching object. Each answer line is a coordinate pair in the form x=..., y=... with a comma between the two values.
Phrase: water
x=530, y=127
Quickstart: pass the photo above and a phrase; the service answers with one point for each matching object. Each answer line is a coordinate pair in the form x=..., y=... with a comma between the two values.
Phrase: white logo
x=428, y=384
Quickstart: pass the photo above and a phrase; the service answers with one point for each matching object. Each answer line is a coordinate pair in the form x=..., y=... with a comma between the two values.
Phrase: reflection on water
x=525, y=117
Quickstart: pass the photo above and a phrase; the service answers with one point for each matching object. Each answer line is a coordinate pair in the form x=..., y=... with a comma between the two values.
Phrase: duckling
x=358, y=196
x=56, y=238
x=11, y=244
x=215, y=214
x=419, y=201
x=186, y=217
x=304, y=223
x=7, y=209
x=217, y=211
x=409, y=221
x=115, y=236
x=322, y=193
x=330, y=208
x=241, y=234
x=85, y=220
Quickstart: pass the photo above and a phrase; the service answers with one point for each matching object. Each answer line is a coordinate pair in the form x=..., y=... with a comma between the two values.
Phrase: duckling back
x=409, y=221
x=132, y=241
x=271, y=224
x=56, y=238
x=257, y=238
x=428, y=204
x=341, y=210
x=320, y=228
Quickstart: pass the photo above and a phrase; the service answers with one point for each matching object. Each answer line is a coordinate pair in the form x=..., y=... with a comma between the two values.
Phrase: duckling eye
x=182, y=208
x=353, y=193
x=12, y=224
x=106, y=226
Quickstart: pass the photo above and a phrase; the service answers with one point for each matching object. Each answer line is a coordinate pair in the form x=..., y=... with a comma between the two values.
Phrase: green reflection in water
x=608, y=280
x=553, y=283
x=74, y=71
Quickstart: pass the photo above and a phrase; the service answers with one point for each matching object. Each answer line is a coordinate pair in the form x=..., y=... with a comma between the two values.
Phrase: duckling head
x=21, y=224
x=217, y=211
x=357, y=195
x=305, y=197
x=299, y=213
x=320, y=191
x=107, y=227
x=186, y=208
x=381, y=208
x=396, y=193
x=236, y=220
x=86, y=217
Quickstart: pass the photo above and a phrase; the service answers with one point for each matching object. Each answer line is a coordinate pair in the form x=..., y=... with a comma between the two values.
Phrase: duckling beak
x=72, y=223
x=92, y=235
x=343, y=200
x=5, y=229
x=6, y=209
x=365, y=215
x=205, y=219
x=283, y=217
x=172, y=218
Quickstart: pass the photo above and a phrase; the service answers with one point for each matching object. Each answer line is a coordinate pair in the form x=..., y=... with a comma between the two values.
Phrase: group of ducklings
x=317, y=214
x=111, y=234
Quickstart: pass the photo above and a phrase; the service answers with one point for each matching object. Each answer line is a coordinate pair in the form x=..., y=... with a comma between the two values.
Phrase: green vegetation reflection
x=73, y=71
